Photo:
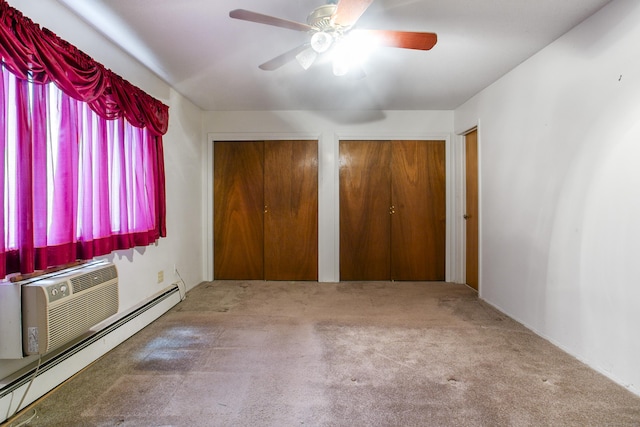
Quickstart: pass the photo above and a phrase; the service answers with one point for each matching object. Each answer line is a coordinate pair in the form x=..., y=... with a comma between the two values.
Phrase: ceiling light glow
x=351, y=53
x=321, y=41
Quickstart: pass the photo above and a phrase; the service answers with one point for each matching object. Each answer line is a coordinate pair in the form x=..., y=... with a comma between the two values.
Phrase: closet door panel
x=238, y=210
x=291, y=210
x=364, y=210
x=419, y=210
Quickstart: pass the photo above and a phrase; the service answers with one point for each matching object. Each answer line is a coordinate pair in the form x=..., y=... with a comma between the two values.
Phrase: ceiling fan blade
x=349, y=11
x=281, y=60
x=247, y=15
x=401, y=39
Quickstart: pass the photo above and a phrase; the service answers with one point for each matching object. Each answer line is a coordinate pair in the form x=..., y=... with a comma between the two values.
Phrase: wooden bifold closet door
x=392, y=210
x=266, y=210
x=365, y=196
x=238, y=229
x=291, y=210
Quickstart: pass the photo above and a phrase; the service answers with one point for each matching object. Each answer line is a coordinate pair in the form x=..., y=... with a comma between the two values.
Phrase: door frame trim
x=462, y=255
x=207, y=186
x=450, y=246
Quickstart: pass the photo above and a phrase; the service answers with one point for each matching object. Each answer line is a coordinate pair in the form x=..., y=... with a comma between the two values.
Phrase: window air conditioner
x=60, y=308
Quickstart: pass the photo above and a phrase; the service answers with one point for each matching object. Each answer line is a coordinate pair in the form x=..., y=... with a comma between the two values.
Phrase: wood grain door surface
x=266, y=210
x=365, y=193
x=392, y=210
x=238, y=210
x=419, y=210
x=471, y=216
x=291, y=210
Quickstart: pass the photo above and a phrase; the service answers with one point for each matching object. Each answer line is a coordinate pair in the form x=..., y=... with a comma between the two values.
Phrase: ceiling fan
x=330, y=28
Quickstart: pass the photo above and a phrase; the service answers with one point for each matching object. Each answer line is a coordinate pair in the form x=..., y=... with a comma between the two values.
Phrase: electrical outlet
x=160, y=276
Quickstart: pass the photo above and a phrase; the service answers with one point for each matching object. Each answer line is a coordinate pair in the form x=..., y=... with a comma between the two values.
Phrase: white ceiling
x=213, y=60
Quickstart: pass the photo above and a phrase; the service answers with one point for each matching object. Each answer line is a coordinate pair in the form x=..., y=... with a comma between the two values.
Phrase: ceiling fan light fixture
x=306, y=58
x=331, y=33
x=340, y=68
x=341, y=60
x=321, y=41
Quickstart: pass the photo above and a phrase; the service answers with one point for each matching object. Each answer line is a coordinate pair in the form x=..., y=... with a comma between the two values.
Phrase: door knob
x=266, y=209
x=466, y=216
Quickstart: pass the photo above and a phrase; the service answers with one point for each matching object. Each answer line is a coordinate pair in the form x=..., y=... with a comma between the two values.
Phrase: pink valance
x=37, y=54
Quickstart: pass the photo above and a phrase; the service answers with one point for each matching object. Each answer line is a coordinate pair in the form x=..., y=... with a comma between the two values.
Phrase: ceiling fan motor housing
x=320, y=18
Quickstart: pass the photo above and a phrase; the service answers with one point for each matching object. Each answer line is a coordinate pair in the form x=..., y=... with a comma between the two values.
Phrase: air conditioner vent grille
x=77, y=315
x=59, y=309
x=91, y=279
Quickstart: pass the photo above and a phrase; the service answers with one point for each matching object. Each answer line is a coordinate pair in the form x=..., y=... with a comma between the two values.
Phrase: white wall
x=560, y=180
x=328, y=127
x=183, y=144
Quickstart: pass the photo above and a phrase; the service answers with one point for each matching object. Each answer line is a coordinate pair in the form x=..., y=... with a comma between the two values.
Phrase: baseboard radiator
x=58, y=366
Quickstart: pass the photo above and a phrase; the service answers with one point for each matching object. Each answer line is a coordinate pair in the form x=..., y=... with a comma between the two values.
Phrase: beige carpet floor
x=348, y=354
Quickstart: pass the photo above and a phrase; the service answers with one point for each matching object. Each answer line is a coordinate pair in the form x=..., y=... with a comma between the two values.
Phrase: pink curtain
x=39, y=55
x=81, y=163
x=80, y=186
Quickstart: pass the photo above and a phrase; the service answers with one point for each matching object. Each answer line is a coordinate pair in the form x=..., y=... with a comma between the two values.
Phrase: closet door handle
x=266, y=209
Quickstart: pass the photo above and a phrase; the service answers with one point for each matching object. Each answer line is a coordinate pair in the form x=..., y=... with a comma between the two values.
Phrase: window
x=81, y=157
x=74, y=185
